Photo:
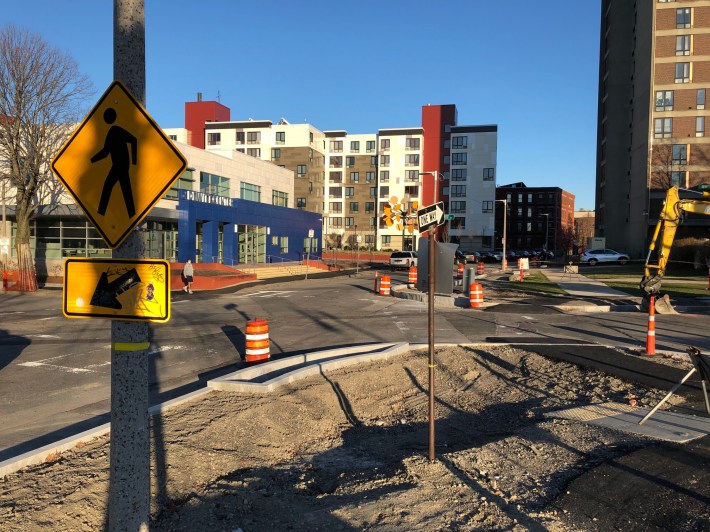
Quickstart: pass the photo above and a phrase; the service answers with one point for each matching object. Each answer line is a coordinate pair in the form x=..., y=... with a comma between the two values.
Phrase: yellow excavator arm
x=672, y=215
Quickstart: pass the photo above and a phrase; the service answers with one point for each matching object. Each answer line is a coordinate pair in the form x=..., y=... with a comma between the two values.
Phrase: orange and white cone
x=651, y=334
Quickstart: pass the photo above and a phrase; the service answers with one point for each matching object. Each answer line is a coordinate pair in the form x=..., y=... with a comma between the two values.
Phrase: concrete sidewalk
x=578, y=285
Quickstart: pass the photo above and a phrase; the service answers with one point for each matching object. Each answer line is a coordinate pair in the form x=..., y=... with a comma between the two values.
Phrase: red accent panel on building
x=196, y=114
x=435, y=118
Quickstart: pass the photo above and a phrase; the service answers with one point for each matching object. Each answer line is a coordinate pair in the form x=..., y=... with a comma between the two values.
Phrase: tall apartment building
x=349, y=178
x=537, y=216
x=654, y=71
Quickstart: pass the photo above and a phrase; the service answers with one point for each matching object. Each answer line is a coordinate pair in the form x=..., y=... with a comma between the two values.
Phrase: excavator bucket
x=663, y=305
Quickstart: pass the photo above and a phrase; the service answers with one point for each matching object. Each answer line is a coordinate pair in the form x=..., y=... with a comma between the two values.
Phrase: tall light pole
x=504, y=262
x=547, y=220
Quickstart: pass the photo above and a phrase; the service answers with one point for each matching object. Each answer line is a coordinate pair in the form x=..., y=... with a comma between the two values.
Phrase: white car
x=593, y=256
x=403, y=259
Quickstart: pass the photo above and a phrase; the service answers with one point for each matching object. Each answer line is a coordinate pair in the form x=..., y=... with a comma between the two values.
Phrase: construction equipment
x=672, y=215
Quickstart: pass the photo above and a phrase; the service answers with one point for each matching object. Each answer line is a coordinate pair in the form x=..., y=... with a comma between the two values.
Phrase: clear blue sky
x=529, y=67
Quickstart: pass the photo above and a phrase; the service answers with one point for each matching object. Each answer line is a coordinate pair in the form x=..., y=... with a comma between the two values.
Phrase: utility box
x=443, y=280
x=596, y=242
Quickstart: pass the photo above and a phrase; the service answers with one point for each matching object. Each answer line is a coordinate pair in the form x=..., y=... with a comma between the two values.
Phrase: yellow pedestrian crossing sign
x=118, y=164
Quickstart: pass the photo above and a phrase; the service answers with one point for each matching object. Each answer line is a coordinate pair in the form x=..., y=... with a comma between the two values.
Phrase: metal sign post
x=308, y=251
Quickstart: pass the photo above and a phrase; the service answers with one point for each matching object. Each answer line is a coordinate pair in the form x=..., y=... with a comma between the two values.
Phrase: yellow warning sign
x=117, y=289
x=118, y=164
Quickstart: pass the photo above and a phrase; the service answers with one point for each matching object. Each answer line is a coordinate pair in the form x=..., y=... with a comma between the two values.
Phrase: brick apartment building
x=537, y=217
x=653, y=78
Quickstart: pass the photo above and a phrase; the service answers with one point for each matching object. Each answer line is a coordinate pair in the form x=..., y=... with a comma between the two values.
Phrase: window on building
x=680, y=154
x=301, y=170
x=664, y=100
x=459, y=143
x=458, y=207
x=520, y=197
x=254, y=152
x=529, y=212
x=240, y=137
x=458, y=158
x=369, y=206
x=335, y=177
x=283, y=246
x=349, y=161
x=336, y=146
x=354, y=146
x=682, y=45
x=489, y=174
x=412, y=191
x=336, y=161
x=411, y=175
x=373, y=160
x=458, y=191
x=459, y=222
x=700, y=99
x=373, y=192
x=386, y=240
x=458, y=174
x=214, y=184
x=487, y=206
x=384, y=160
x=349, y=221
x=699, y=126
x=173, y=137
x=184, y=182
x=280, y=137
x=662, y=128
x=335, y=192
x=678, y=178
x=254, y=137
x=336, y=207
x=411, y=159
x=354, y=177
x=682, y=72
x=335, y=223
x=354, y=206
x=369, y=239
x=369, y=177
x=520, y=212
x=384, y=192
x=370, y=146
x=530, y=198
x=301, y=203
x=279, y=198
x=384, y=176
x=248, y=191
x=384, y=144
x=275, y=154
x=682, y=17
x=412, y=143
x=214, y=139
x=349, y=192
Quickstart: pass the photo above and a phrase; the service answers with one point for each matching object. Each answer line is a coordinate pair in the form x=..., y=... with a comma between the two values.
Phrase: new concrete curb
x=50, y=451
x=310, y=364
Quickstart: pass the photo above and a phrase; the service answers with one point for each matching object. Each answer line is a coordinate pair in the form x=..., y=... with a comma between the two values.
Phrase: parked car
x=472, y=256
x=460, y=257
x=593, y=256
x=402, y=259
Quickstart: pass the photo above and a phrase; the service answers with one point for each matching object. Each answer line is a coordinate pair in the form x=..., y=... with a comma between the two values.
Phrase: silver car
x=403, y=259
x=593, y=256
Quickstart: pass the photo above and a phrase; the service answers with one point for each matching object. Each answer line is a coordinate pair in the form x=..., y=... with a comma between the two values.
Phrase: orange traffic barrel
x=651, y=333
x=459, y=271
x=384, y=285
x=476, y=295
x=257, y=341
x=480, y=268
x=412, y=277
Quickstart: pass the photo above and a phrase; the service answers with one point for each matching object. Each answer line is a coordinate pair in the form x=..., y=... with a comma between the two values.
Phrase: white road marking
x=50, y=318
x=42, y=336
x=527, y=317
x=54, y=366
x=401, y=326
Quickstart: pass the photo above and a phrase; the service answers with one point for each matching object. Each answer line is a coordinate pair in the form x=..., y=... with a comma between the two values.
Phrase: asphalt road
x=55, y=372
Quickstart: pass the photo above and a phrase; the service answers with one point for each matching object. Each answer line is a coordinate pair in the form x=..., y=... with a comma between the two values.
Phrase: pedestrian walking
x=187, y=273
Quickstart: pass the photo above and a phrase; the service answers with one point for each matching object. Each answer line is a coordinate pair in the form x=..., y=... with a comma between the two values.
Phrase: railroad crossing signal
x=117, y=289
x=118, y=146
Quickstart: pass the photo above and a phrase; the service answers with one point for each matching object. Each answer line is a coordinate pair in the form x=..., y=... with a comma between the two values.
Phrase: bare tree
x=42, y=94
x=662, y=166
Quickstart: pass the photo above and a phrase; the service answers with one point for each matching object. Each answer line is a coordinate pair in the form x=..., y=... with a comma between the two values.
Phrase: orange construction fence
x=257, y=341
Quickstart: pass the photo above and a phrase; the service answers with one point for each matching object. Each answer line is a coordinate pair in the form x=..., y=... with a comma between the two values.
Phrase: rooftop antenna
x=218, y=97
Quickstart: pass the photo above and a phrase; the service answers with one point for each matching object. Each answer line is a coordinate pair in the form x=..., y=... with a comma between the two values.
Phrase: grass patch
x=535, y=283
x=674, y=288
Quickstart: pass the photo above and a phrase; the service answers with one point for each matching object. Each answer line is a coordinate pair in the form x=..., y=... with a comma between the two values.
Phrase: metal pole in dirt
x=129, y=462
x=432, y=264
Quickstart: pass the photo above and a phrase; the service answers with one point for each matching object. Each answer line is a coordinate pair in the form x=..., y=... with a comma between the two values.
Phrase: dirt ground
x=348, y=450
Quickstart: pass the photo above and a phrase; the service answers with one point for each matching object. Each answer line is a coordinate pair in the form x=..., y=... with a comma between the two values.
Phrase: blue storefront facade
x=235, y=231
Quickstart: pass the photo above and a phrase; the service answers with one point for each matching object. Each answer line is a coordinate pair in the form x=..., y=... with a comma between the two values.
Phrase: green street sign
x=449, y=217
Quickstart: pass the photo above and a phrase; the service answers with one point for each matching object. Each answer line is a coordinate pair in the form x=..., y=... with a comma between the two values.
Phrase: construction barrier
x=520, y=264
x=412, y=277
x=459, y=271
x=476, y=295
x=384, y=285
x=377, y=282
x=257, y=341
x=651, y=334
x=480, y=268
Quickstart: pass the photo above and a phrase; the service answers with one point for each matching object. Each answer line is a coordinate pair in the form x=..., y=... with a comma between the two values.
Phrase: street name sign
x=430, y=216
x=118, y=164
x=117, y=289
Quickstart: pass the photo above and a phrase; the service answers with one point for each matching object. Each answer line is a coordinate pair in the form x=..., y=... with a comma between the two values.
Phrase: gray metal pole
x=129, y=475
x=432, y=277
